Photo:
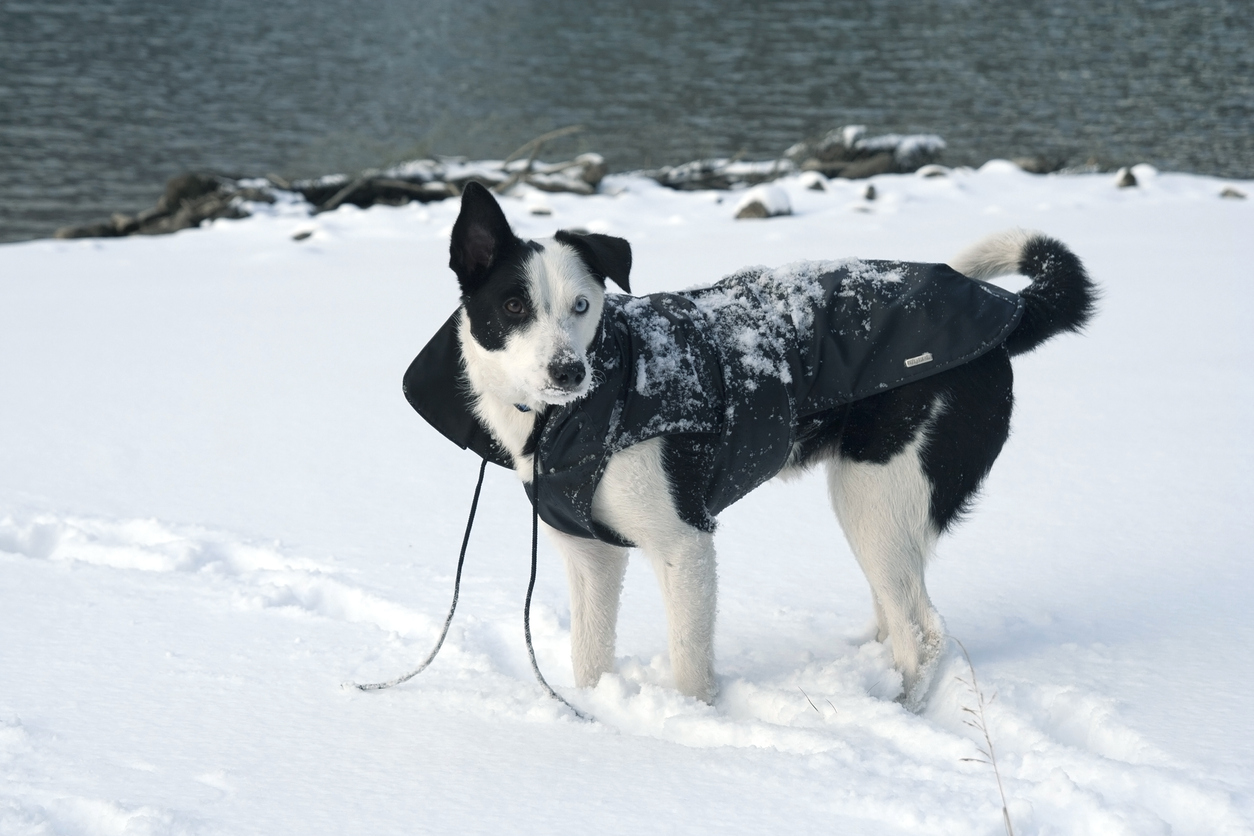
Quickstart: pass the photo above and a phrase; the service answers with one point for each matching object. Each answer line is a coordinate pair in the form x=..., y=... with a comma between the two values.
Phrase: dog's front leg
x=594, y=571
x=686, y=573
x=635, y=499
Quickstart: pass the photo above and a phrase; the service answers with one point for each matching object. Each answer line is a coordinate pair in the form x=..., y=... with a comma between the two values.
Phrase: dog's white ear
x=605, y=256
x=481, y=236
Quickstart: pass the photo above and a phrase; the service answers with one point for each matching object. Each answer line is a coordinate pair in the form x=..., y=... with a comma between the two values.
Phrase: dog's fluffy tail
x=1061, y=296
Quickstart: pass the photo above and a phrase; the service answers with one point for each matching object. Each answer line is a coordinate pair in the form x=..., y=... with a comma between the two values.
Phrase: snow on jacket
x=741, y=363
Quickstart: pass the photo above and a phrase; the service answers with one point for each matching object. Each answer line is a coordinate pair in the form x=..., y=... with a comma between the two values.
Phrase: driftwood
x=191, y=199
x=720, y=174
x=845, y=152
x=367, y=191
x=544, y=179
x=848, y=152
x=1041, y=164
x=437, y=179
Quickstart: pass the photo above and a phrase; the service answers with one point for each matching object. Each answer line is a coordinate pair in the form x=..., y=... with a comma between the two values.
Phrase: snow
x=216, y=507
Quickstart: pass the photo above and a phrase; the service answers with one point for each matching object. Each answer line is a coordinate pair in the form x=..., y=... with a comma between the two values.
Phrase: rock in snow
x=1124, y=178
x=763, y=202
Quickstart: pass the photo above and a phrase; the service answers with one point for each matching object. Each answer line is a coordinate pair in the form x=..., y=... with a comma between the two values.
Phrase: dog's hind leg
x=594, y=571
x=884, y=511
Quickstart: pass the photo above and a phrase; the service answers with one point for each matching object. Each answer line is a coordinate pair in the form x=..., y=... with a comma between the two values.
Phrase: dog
x=632, y=421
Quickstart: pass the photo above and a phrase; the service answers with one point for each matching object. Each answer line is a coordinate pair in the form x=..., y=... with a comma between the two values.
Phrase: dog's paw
x=705, y=690
x=915, y=697
x=696, y=680
x=919, y=686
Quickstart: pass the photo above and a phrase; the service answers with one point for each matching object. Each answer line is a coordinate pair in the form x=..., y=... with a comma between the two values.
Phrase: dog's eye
x=515, y=307
x=581, y=305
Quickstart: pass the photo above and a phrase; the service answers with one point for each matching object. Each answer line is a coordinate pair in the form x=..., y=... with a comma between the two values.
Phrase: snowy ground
x=215, y=507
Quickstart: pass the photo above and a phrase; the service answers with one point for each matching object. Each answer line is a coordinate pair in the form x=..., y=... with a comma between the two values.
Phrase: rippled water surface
x=101, y=101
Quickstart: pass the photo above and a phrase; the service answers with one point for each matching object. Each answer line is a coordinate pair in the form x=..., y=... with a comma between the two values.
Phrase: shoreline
x=847, y=152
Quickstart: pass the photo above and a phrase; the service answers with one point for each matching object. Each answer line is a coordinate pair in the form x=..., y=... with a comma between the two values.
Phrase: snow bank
x=215, y=507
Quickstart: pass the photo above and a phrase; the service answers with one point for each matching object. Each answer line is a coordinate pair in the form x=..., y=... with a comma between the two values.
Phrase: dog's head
x=532, y=307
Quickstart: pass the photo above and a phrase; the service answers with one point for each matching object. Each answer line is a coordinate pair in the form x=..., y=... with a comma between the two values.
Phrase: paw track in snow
x=1063, y=753
x=262, y=576
x=30, y=806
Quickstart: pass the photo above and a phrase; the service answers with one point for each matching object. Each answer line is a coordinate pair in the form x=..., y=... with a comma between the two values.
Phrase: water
x=101, y=101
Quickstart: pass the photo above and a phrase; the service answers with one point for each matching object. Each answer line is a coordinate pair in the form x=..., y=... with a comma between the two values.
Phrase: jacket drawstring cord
x=535, y=537
x=457, y=585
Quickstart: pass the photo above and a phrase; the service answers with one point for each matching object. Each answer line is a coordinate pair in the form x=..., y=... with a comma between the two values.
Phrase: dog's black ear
x=606, y=257
x=481, y=236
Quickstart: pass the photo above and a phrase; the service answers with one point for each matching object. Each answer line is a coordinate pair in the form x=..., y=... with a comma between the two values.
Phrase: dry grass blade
x=978, y=723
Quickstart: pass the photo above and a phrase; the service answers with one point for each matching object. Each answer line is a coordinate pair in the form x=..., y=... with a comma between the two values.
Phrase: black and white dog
x=634, y=420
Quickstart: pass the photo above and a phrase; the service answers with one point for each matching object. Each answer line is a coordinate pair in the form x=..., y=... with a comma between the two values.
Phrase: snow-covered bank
x=215, y=506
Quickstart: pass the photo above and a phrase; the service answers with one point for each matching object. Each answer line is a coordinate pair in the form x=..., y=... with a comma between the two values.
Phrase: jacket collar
x=436, y=387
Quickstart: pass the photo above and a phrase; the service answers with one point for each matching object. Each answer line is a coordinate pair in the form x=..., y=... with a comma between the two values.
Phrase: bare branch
x=533, y=146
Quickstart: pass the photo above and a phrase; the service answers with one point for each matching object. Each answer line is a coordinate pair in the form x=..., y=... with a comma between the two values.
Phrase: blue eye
x=581, y=305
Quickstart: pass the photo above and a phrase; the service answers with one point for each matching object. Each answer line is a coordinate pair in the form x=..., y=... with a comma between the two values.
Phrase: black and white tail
x=1061, y=296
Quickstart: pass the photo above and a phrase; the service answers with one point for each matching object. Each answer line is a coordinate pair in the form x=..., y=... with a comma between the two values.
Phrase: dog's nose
x=566, y=373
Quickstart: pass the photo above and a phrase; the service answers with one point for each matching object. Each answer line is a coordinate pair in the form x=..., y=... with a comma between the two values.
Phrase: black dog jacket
x=734, y=368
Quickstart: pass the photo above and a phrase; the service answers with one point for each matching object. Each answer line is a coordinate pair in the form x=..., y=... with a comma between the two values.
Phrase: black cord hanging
x=457, y=585
x=531, y=584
